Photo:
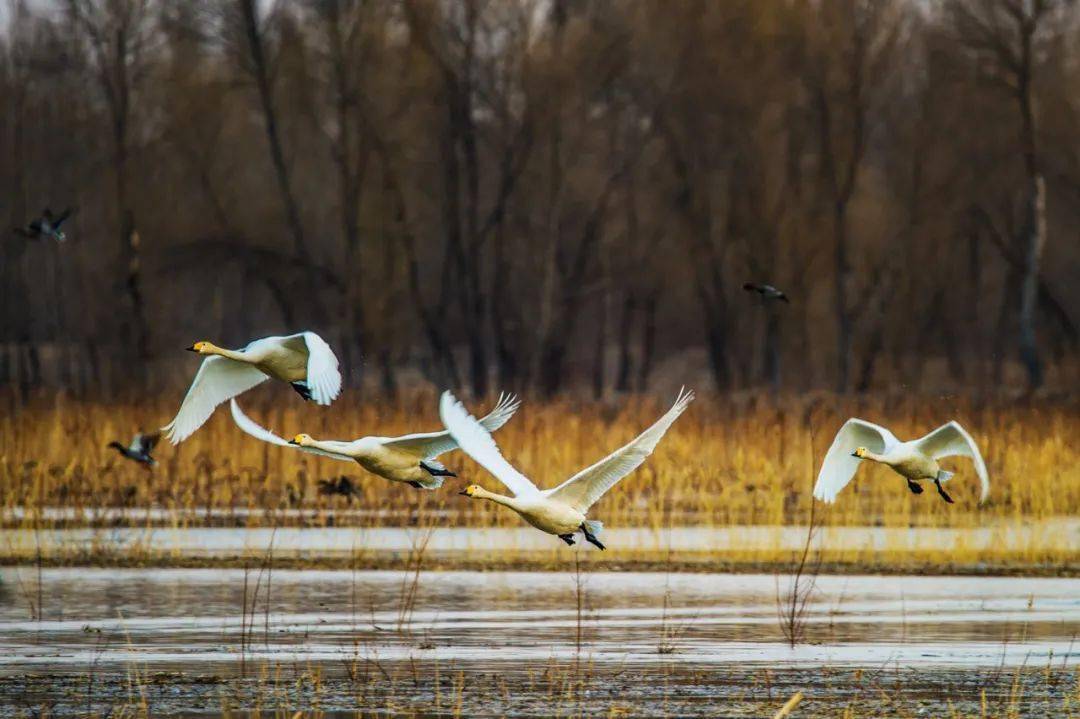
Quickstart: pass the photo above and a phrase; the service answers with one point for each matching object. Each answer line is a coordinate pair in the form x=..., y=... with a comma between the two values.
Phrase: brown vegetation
x=727, y=461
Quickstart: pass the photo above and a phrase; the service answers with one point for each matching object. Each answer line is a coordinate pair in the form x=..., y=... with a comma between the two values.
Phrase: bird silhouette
x=767, y=292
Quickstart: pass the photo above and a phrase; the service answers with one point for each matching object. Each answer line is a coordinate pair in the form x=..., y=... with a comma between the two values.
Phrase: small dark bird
x=48, y=225
x=140, y=448
x=341, y=486
x=767, y=292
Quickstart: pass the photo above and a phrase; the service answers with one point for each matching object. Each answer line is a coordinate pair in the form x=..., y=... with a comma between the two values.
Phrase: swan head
x=202, y=347
x=471, y=490
x=860, y=452
x=301, y=440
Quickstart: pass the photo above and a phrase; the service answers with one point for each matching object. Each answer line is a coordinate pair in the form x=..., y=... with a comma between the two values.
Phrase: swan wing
x=431, y=444
x=323, y=374
x=259, y=432
x=839, y=466
x=588, y=485
x=950, y=440
x=473, y=438
x=217, y=380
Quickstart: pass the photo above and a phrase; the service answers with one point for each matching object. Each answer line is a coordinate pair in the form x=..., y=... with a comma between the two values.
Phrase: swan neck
x=497, y=498
x=229, y=354
x=330, y=446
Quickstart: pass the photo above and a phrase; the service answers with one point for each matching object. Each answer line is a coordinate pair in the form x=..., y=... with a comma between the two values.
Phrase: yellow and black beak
x=465, y=492
x=855, y=453
x=293, y=441
x=191, y=349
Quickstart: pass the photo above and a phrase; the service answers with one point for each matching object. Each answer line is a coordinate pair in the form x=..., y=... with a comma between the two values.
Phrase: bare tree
x=1005, y=34
x=851, y=46
x=119, y=35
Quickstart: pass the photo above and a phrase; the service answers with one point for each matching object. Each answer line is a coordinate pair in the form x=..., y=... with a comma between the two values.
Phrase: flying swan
x=559, y=511
x=409, y=459
x=916, y=460
x=303, y=360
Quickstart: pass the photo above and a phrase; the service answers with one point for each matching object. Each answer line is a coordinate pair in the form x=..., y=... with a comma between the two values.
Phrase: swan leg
x=591, y=539
x=302, y=390
x=942, y=492
x=915, y=487
x=436, y=469
x=568, y=538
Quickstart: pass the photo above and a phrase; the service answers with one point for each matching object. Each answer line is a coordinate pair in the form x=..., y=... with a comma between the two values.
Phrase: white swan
x=303, y=360
x=559, y=511
x=409, y=459
x=916, y=460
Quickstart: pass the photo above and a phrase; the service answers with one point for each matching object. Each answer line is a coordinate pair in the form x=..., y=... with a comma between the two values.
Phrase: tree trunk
x=1034, y=225
x=648, y=342
x=261, y=71
x=1035, y=242
x=622, y=374
x=598, y=349
x=772, y=347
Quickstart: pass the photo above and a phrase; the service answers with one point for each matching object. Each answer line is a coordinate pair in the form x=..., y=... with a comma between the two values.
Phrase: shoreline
x=434, y=562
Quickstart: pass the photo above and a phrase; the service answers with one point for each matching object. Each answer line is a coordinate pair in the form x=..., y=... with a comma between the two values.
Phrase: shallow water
x=176, y=617
x=679, y=640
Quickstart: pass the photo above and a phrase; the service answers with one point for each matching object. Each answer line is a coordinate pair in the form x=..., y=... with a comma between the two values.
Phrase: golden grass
x=725, y=462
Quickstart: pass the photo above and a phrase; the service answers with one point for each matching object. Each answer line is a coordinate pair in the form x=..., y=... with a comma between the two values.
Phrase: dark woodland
x=546, y=195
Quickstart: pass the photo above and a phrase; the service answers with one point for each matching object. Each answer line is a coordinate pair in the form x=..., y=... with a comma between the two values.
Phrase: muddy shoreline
x=423, y=690
x=434, y=561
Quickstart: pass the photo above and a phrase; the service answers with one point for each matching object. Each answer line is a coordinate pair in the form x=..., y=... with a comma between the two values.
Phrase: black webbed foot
x=302, y=390
x=436, y=469
x=591, y=539
x=914, y=486
x=568, y=538
x=943, y=493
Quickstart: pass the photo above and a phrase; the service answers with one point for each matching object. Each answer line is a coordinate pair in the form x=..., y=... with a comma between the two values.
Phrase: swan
x=139, y=451
x=915, y=460
x=303, y=360
x=561, y=510
x=409, y=459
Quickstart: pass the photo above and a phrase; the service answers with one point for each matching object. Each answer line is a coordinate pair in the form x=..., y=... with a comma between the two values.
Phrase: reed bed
x=728, y=461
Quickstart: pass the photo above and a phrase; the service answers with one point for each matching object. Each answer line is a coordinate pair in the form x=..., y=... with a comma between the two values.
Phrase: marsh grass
x=728, y=461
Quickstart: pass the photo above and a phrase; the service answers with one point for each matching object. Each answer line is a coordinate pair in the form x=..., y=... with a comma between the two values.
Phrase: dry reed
x=728, y=461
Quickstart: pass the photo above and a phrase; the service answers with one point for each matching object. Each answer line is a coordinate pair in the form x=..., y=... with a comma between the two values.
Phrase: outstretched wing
x=59, y=219
x=258, y=432
x=839, y=466
x=429, y=445
x=144, y=443
x=950, y=440
x=588, y=485
x=218, y=379
x=475, y=441
x=323, y=375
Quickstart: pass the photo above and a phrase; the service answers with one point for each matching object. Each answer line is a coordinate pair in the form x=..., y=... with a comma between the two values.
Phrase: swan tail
x=944, y=475
x=432, y=483
x=594, y=526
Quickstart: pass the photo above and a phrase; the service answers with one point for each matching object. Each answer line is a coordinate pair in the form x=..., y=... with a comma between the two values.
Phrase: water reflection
x=182, y=617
